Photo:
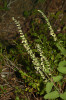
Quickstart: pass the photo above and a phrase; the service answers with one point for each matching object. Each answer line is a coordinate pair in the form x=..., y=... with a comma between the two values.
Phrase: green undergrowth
x=3, y=5
x=55, y=53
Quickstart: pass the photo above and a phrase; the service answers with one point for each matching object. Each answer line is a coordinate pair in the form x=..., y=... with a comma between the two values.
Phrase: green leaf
x=37, y=40
x=49, y=87
x=62, y=70
x=41, y=36
x=62, y=67
x=63, y=96
x=26, y=89
x=61, y=48
x=52, y=95
x=31, y=90
x=1, y=87
x=62, y=64
x=30, y=84
x=57, y=78
x=64, y=28
x=17, y=98
x=34, y=85
x=47, y=71
x=34, y=34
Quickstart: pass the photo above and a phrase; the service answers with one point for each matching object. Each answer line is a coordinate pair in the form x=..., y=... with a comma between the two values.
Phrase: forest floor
x=24, y=12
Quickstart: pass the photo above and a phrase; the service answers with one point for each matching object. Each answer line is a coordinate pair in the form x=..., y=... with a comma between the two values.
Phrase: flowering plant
x=46, y=72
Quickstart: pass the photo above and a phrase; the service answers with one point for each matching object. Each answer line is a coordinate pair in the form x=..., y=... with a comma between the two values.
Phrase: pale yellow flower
x=35, y=61
x=49, y=26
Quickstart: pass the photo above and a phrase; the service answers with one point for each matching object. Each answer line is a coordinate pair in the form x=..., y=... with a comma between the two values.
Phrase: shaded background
x=21, y=8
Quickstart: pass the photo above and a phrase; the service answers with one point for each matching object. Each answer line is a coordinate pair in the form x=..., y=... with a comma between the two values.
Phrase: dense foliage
x=43, y=58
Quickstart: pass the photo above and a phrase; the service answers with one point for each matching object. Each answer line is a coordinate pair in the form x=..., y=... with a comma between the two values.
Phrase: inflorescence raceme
x=38, y=66
x=49, y=26
x=35, y=61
